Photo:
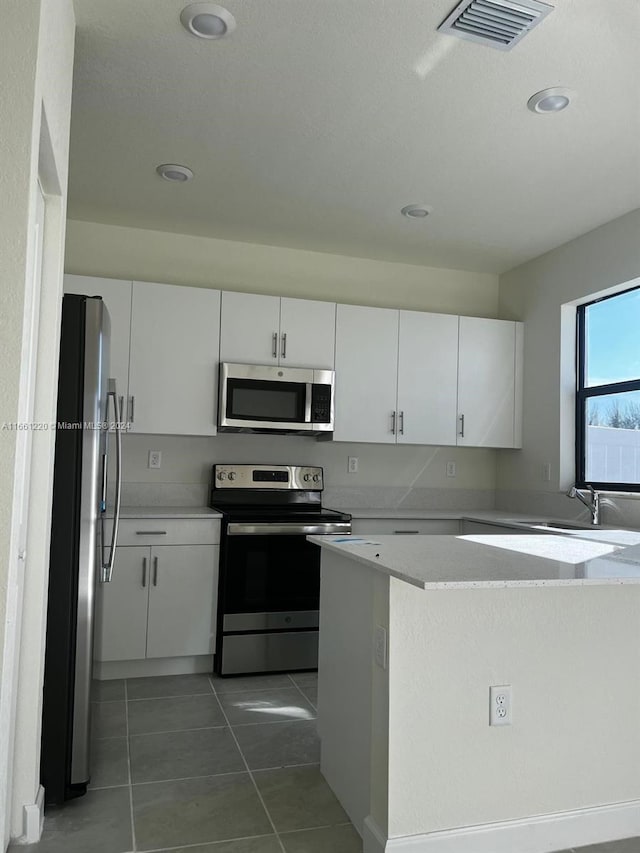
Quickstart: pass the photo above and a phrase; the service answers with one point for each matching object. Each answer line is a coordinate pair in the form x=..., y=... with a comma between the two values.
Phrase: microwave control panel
x=321, y=404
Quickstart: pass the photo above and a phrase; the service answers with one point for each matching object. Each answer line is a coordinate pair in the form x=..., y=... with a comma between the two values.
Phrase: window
x=608, y=393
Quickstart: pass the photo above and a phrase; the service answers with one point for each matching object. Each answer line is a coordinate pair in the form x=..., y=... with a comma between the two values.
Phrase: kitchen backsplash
x=388, y=475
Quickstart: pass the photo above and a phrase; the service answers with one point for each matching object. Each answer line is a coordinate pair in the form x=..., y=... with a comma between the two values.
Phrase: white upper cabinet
x=174, y=351
x=396, y=376
x=250, y=328
x=258, y=329
x=117, y=297
x=489, y=383
x=307, y=333
x=366, y=374
x=427, y=378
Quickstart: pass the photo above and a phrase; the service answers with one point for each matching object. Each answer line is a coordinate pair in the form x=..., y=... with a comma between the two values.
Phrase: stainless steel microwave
x=259, y=398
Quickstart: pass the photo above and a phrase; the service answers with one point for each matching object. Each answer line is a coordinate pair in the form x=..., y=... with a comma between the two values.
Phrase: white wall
x=36, y=63
x=134, y=253
x=606, y=258
x=572, y=658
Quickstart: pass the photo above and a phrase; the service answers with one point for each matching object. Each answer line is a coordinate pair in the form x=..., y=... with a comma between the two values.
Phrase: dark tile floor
x=198, y=764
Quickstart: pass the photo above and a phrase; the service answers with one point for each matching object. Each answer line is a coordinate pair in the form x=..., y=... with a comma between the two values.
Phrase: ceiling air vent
x=498, y=23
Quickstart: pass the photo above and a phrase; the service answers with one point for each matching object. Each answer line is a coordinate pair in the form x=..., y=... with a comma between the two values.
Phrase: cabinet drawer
x=166, y=531
x=404, y=526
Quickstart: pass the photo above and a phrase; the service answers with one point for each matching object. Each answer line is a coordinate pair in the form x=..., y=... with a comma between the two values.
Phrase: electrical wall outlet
x=546, y=472
x=451, y=469
x=155, y=459
x=380, y=647
x=352, y=464
x=500, y=705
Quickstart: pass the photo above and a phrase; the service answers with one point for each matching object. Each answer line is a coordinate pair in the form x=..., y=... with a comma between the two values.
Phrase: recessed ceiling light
x=174, y=173
x=416, y=211
x=207, y=21
x=550, y=100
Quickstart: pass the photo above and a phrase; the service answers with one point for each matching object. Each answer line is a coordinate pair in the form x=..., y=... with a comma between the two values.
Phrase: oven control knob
x=232, y=475
x=306, y=478
x=222, y=475
x=316, y=478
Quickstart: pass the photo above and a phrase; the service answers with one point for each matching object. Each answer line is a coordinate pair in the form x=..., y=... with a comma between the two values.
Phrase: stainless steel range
x=269, y=574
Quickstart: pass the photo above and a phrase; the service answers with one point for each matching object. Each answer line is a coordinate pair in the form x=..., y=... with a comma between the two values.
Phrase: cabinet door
x=427, y=378
x=486, y=382
x=121, y=608
x=366, y=374
x=174, y=359
x=248, y=324
x=117, y=298
x=182, y=600
x=307, y=333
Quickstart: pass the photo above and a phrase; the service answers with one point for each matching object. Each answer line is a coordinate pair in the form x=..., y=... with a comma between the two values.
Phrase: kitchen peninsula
x=415, y=630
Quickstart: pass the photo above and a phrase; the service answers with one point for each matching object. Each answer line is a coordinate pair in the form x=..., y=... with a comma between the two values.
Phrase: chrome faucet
x=592, y=503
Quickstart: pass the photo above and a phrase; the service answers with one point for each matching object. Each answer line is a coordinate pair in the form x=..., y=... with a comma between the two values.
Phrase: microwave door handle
x=307, y=405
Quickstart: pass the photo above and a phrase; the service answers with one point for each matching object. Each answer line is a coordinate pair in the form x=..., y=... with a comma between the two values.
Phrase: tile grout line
x=244, y=761
x=221, y=725
x=200, y=844
x=126, y=717
x=303, y=694
x=207, y=775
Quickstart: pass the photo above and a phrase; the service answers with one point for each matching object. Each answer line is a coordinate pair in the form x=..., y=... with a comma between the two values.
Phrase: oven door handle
x=287, y=529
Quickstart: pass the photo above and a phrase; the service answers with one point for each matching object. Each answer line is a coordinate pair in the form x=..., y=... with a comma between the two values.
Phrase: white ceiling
x=317, y=120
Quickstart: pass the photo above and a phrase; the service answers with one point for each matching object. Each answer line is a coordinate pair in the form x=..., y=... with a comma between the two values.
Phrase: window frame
x=585, y=393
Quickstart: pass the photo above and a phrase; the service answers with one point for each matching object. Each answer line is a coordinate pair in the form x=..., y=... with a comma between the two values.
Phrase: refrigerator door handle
x=107, y=567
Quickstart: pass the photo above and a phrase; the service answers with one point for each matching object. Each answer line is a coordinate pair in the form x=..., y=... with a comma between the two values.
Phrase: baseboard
x=373, y=839
x=33, y=819
x=107, y=670
x=541, y=834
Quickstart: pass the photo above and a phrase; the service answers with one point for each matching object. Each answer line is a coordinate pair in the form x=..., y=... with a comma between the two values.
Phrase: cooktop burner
x=290, y=513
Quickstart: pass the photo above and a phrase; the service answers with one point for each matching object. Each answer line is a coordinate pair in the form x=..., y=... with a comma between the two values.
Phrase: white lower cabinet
x=405, y=526
x=162, y=599
x=181, y=619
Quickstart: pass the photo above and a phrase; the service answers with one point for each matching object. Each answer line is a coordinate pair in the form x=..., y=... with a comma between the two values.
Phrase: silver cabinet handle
x=155, y=571
x=274, y=351
x=151, y=532
x=284, y=345
x=401, y=423
x=132, y=408
x=144, y=571
x=405, y=532
x=462, y=426
x=393, y=423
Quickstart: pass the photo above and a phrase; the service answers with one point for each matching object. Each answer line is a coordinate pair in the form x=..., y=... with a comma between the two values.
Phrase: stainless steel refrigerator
x=79, y=557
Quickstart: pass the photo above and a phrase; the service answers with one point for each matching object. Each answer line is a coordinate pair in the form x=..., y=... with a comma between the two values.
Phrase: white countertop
x=167, y=512
x=490, y=560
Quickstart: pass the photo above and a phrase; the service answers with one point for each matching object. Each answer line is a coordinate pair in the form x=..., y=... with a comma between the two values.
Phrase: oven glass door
x=266, y=401
x=268, y=574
